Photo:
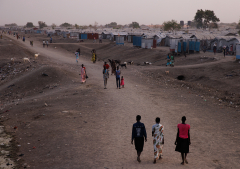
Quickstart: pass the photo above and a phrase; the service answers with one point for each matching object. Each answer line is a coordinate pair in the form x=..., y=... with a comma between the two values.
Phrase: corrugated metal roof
x=119, y=33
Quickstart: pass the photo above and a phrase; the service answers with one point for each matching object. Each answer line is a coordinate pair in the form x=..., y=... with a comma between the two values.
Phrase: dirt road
x=95, y=132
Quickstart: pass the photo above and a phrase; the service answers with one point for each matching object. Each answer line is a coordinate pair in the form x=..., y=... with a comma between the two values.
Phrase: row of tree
x=202, y=19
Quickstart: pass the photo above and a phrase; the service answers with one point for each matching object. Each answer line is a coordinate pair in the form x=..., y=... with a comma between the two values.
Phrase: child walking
x=77, y=56
x=122, y=82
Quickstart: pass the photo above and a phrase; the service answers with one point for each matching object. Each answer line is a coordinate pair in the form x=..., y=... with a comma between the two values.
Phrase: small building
x=106, y=35
x=115, y=34
x=131, y=35
x=92, y=36
x=74, y=35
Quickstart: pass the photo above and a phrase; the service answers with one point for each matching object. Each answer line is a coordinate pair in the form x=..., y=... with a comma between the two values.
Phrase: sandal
x=138, y=159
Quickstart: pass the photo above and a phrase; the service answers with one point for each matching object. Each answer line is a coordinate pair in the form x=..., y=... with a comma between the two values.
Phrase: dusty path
x=214, y=133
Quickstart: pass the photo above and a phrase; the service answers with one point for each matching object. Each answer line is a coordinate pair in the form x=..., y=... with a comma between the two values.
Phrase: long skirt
x=158, y=147
x=83, y=75
x=139, y=143
x=182, y=145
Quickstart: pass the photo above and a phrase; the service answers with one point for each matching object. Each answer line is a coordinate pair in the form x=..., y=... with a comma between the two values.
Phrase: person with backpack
x=118, y=73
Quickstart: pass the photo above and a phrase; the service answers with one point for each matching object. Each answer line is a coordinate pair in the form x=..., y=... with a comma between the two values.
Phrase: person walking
x=224, y=51
x=158, y=139
x=183, y=140
x=214, y=49
x=78, y=50
x=94, y=56
x=83, y=74
x=227, y=50
x=168, y=60
x=77, y=56
x=105, y=64
x=118, y=73
x=43, y=43
x=172, y=61
x=122, y=82
x=138, y=135
x=105, y=76
x=47, y=43
x=113, y=65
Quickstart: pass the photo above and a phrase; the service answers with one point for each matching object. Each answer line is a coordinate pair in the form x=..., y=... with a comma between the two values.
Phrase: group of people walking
x=170, y=60
x=119, y=82
x=182, y=142
x=45, y=43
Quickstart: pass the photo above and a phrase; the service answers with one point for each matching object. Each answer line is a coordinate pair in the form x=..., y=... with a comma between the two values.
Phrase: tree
x=53, y=26
x=171, y=25
x=42, y=24
x=213, y=25
x=65, y=24
x=11, y=24
x=134, y=25
x=77, y=26
x=238, y=25
x=112, y=24
x=203, y=18
x=29, y=25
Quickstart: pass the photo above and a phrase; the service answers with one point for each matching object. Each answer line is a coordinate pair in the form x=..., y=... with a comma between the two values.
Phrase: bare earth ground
x=60, y=123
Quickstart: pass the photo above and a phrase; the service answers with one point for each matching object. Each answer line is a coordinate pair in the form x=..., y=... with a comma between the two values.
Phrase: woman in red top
x=183, y=140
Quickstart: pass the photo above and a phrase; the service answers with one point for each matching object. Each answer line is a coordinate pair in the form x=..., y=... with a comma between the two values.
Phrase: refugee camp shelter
x=115, y=34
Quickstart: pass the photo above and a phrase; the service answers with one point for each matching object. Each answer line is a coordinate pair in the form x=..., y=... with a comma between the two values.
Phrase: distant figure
x=47, y=43
x=1, y=36
x=204, y=49
x=138, y=135
x=122, y=82
x=106, y=65
x=227, y=50
x=105, y=76
x=94, y=56
x=183, y=140
x=94, y=40
x=78, y=50
x=168, y=60
x=118, y=73
x=43, y=43
x=172, y=60
x=158, y=139
x=83, y=74
x=77, y=56
x=113, y=65
x=214, y=49
x=23, y=38
x=224, y=50
x=51, y=40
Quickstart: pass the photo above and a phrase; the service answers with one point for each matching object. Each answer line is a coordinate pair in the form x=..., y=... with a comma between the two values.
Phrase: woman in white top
x=158, y=139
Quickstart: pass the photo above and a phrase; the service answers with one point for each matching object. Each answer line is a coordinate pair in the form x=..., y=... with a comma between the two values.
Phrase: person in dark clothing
x=214, y=49
x=138, y=135
x=227, y=50
x=224, y=51
x=118, y=73
x=183, y=140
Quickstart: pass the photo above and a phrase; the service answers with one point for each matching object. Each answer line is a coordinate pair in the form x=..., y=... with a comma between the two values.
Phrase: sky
x=86, y=12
